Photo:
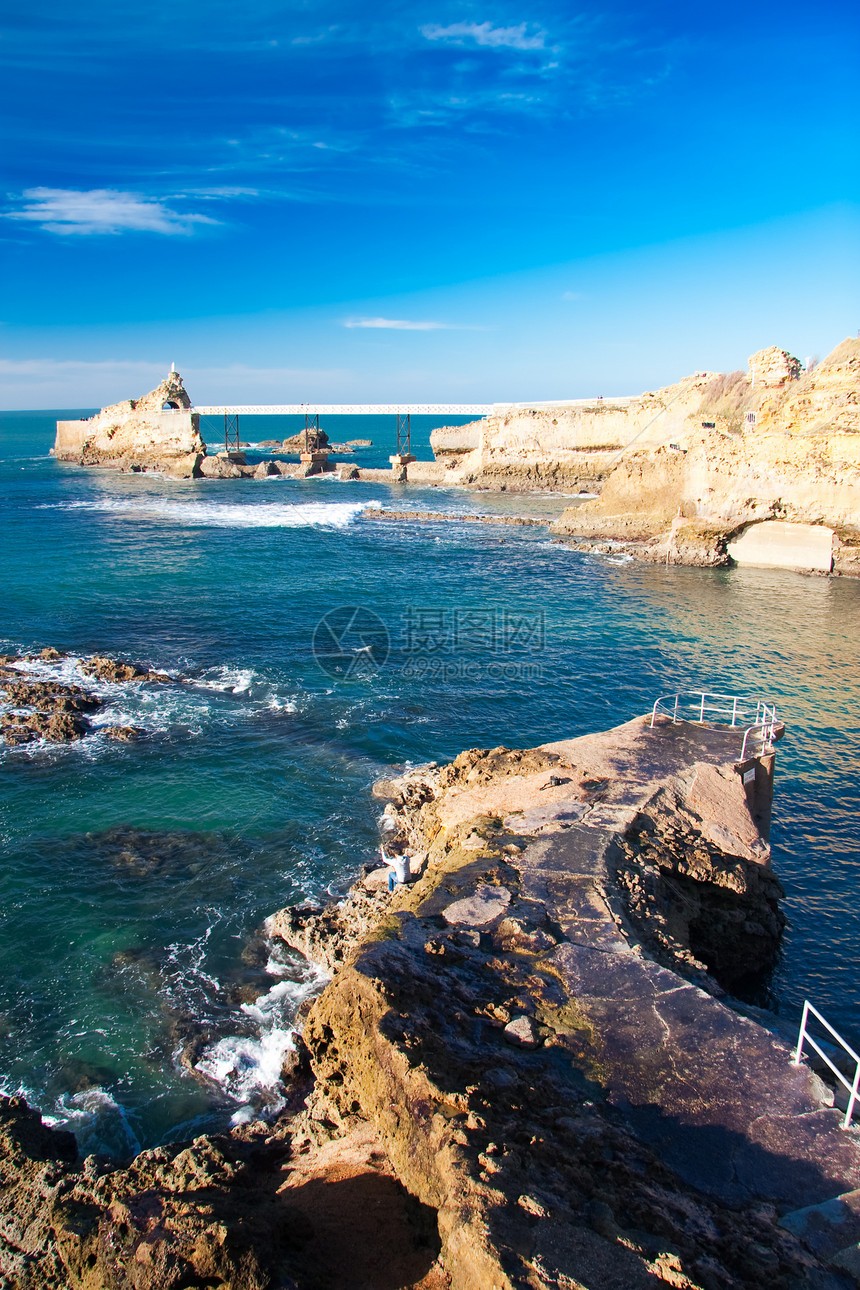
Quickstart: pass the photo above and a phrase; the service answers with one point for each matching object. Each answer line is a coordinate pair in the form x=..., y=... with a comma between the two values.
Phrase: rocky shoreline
x=521, y=1074
x=759, y=468
x=60, y=711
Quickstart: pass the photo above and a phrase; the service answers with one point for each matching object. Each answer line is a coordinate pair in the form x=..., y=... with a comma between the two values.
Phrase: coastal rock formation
x=228, y=1212
x=155, y=432
x=682, y=471
x=575, y=1113
x=796, y=462
x=314, y=441
x=774, y=368
x=499, y=1087
x=563, y=446
x=58, y=711
x=380, y=513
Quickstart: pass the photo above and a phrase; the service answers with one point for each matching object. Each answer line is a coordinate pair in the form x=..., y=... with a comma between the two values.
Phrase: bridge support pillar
x=404, y=434
x=315, y=463
x=312, y=431
x=231, y=432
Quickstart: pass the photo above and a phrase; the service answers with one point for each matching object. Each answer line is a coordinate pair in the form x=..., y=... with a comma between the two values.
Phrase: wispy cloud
x=401, y=324
x=573, y=295
x=102, y=210
x=484, y=33
x=53, y=368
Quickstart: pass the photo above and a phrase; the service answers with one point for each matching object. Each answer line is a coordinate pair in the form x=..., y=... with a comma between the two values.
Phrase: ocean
x=138, y=1001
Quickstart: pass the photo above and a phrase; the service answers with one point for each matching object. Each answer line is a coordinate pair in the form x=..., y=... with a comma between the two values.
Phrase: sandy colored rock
x=481, y=907
x=219, y=467
x=157, y=431
x=774, y=367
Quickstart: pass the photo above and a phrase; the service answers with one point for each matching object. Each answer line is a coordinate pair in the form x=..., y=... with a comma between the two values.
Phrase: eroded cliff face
x=797, y=462
x=576, y=1114
x=156, y=432
x=691, y=464
x=569, y=446
x=498, y=1088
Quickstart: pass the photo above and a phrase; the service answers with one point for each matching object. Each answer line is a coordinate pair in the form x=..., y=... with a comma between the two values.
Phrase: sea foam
x=198, y=514
x=248, y=1067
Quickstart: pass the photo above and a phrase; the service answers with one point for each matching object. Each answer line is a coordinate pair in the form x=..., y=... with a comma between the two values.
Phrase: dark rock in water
x=316, y=440
x=16, y=730
x=108, y=669
x=78, y=1075
x=125, y=734
x=57, y=727
x=55, y=707
x=48, y=696
x=25, y=1137
x=266, y=469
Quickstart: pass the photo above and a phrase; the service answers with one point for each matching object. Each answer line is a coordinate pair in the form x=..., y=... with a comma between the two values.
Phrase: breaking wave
x=247, y=1068
x=263, y=514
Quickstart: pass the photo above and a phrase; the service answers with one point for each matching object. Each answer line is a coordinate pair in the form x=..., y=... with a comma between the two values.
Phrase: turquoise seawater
x=135, y=877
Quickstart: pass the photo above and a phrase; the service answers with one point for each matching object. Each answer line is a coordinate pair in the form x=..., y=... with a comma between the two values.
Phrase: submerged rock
x=124, y=734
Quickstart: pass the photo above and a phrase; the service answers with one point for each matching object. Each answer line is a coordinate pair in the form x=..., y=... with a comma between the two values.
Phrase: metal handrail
x=757, y=718
x=804, y=1036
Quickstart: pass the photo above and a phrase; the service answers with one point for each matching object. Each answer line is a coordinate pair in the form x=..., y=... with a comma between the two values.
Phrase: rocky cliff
x=157, y=432
x=757, y=450
x=562, y=444
x=709, y=455
x=522, y=1075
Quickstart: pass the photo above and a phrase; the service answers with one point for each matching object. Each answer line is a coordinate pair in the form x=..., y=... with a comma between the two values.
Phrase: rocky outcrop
x=237, y=1212
x=796, y=462
x=576, y=1113
x=563, y=446
x=681, y=471
x=500, y=1087
x=155, y=432
x=774, y=368
x=313, y=441
x=380, y=513
x=37, y=708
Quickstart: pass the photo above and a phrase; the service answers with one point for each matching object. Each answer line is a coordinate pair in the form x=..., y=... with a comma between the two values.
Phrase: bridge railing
x=344, y=409
x=756, y=717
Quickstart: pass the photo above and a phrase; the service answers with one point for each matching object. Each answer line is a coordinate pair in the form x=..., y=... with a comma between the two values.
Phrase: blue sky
x=421, y=201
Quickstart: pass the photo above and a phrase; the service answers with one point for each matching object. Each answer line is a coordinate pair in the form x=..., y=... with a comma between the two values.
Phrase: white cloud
x=573, y=295
x=483, y=33
x=400, y=324
x=102, y=210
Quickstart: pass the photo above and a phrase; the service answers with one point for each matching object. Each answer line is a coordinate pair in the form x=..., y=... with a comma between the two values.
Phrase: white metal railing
x=804, y=1037
x=757, y=718
x=344, y=409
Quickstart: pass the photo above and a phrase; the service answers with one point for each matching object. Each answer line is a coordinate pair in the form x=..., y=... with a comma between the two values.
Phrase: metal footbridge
x=345, y=409
x=313, y=411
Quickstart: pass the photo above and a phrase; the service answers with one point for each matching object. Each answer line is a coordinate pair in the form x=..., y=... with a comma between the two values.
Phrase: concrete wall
x=70, y=438
x=784, y=546
x=428, y=472
x=129, y=433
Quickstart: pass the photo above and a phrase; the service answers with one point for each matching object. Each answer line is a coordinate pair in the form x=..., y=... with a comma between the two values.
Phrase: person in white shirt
x=398, y=867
